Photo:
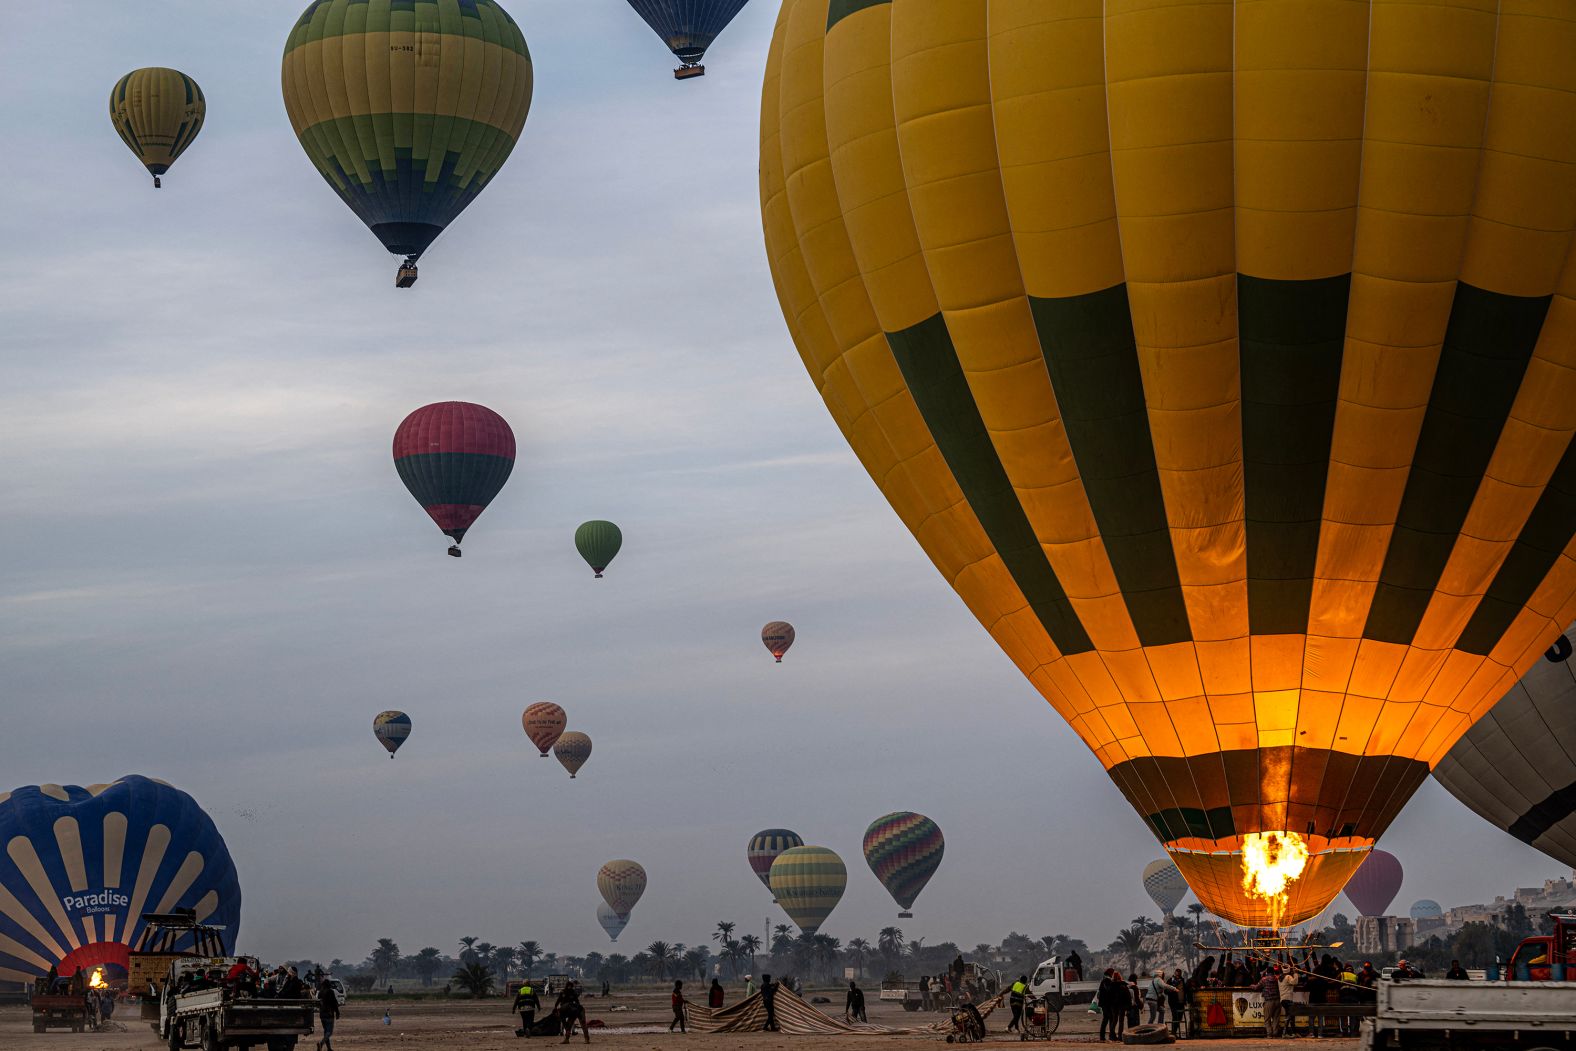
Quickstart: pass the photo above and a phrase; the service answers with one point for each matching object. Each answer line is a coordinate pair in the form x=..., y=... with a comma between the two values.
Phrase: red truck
x=1544, y=957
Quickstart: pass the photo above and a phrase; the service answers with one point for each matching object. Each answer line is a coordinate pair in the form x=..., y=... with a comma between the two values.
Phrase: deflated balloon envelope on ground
x=611, y=921
x=84, y=864
x=598, y=543
x=1263, y=487
x=777, y=636
x=407, y=109
x=808, y=882
x=157, y=113
x=1516, y=767
x=454, y=457
x=904, y=850
x=621, y=882
x=544, y=723
x=572, y=750
x=688, y=27
x=391, y=728
x=764, y=847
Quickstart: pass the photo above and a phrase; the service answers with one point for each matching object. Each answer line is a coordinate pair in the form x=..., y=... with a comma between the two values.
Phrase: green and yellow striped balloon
x=808, y=882
x=407, y=107
x=157, y=112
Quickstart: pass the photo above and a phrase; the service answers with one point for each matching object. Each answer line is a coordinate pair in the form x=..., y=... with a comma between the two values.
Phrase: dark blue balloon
x=82, y=865
x=688, y=26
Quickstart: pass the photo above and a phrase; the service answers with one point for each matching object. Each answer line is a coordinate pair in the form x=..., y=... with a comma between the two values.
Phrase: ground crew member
x=769, y=1001
x=1016, y=997
x=328, y=1012
x=570, y=1011
x=678, y=1008
x=854, y=1005
x=527, y=1003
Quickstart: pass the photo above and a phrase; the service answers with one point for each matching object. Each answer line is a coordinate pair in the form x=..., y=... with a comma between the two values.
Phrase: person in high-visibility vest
x=1016, y=996
x=527, y=1003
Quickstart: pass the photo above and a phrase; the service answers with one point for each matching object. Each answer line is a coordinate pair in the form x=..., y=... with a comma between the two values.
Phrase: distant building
x=1382, y=934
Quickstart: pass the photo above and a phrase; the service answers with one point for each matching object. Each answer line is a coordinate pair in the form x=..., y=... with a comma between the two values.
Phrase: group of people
x=1122, y=1000
x=939, y=991
x=567, y=1012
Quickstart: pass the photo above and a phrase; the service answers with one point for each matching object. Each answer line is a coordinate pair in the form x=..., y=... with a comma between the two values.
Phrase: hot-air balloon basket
x=156, y=182
x=407, y=274
x=599, y=574
x=454, y=549
x=905, y=915
x=686, y=72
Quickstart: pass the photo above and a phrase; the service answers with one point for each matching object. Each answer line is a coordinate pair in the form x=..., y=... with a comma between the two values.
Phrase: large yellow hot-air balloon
x=157, y=112
x=1221, y=356
x=407, y=108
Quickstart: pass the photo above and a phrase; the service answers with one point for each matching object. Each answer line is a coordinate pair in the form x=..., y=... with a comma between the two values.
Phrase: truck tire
x=1148, y=1034
x=910, y=1005
x=37, y=1028
x=282, y=1043
x=174, y=1041
x=210, y=1036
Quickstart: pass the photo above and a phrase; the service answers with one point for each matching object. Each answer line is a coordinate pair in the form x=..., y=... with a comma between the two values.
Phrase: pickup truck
x=1440, y=1015
x=60, y=1009
x=895, y=989
x=198, y=1009
x=1059, y=983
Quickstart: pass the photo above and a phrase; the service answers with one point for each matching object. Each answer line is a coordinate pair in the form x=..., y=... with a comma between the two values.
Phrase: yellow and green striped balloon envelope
x=808, y=882
x=408, y=108
x=157, y=112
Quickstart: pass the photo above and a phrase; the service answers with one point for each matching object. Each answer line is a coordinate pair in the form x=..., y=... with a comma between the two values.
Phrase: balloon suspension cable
x=454, y=549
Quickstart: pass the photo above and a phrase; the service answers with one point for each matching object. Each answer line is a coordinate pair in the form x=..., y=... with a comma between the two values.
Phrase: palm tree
x=782, y=939
x=384, y=957
x=915, y=947
x=890, y=944
x=484, y=951
x=750, y=944
x=1130, y=942
x=503, y=958
x=826, y=949
x=859, y=952
x=426, y=963
x=1197, y=909
x=697, y=960
x=982, y=952
x=724, y=932
x=528, y=953
x=659, y=953
x=475, y=978
x=468, y=948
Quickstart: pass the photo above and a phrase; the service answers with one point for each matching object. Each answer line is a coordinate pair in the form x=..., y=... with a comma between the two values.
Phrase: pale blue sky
x=214, y=576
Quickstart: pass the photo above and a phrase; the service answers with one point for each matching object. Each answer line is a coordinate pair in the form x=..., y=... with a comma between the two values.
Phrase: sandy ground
x=459, y=1025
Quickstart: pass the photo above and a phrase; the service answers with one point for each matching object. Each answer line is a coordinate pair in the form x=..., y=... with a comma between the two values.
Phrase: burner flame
x=1271, y=863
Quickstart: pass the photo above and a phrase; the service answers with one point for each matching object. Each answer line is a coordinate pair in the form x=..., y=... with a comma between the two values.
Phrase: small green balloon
x=598, y=542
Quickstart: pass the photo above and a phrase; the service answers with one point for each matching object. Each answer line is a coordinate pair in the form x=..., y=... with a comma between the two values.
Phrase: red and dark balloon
x=454, y=457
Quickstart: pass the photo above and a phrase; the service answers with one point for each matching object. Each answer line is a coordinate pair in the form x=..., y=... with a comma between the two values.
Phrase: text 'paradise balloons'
x=764, y=847
x=621, y=882
x=1234, y=420
x=1164, y=884
x=407, y=109
x=611, y=921
x=688, y=26
x=391, y=728
x=808, y=882
x=598, y=542
x=544, y=723
x=904, y=850
x=572, y=750
x=157, y=112
x=454, y=457
x=777, y=636
x=84, y=865
x=1517, y=764
x=1375, y=883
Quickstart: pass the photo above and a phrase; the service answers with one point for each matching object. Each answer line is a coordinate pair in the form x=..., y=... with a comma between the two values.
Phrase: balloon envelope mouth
x=114, y=957
x=1216, y=877
x=409, y=239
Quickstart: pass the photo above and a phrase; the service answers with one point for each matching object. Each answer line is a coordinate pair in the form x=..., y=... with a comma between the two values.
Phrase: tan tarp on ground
x=798, y=1018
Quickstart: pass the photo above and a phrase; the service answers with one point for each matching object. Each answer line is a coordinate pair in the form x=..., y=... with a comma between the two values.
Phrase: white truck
x=1059, y=983
x=199, y=1009
x=1440, y=1015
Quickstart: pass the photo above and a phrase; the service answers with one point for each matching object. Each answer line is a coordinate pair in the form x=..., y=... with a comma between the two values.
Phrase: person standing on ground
x=769, y=1001
x=1155, y=994
x=1112, y=998
x=749, y=986
x=854, y=1005
x=679, y=1004
x=1269, y=988
x=924, y=992
x=1457, y=973
x=328, y=1011
x=714, y=995
x=1174, y=998
x=527, y=1003
x=570, y=1011
x=1135, y=1001
x=1016, y=996
x=607, y=987
x=1288, y=986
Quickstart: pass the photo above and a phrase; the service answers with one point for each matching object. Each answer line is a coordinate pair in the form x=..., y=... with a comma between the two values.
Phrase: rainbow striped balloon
x=764, y=847
x=808, y=882
x=83, y=864
x=904, y=850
